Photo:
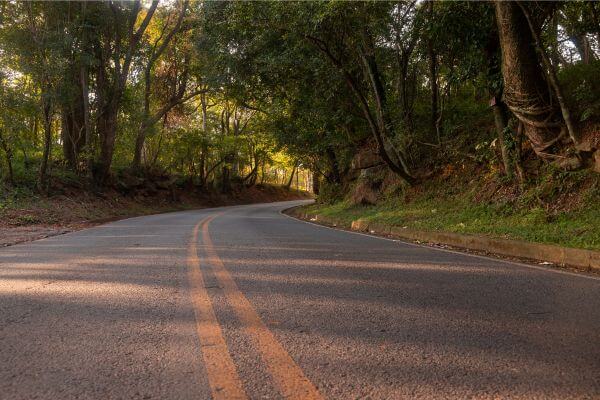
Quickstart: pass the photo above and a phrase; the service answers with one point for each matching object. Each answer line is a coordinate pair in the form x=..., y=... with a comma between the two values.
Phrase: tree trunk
x=235, y=162
x=334, y=176
x=553, y=39
x=66, y=135
x=500, y=121
x=262, y=173
x=9, y=155
x=381, y=124
x=435, y=123
x=596, y=20
x=85, y=94
x=315, y=183
x=139, y=146
x=42, y=176
x=433, y=81
x=204, y=109
x=149, y=120
x=109, y=91
x=564, y=109
x=525, y=89
x=583, y=46
x=73, y=129
x=203, y=176
x=384, y=123
x=288, y=185
x=107, y=129
x=201, y=169
x=251, y=177
x=588, y=52
x=225, y=180
x=72, y=133
x=519, y=154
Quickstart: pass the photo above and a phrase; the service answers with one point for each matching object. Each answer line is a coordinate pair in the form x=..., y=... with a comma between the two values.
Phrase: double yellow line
x=222, y=374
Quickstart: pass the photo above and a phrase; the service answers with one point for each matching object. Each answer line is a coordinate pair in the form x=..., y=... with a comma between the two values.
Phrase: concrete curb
x=565, y=256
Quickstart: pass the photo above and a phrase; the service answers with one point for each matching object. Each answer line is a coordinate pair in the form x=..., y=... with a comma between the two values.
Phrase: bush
x=330, y=193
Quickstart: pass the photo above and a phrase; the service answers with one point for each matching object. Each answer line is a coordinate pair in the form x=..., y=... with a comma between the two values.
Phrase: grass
x=526, y=217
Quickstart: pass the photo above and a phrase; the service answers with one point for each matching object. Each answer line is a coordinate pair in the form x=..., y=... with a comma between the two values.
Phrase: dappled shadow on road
x=394, y=320
x=460, y=329
x=133, y=267
x=103, y=313
x=117, y=279
x=97, y=343
x=362, y=317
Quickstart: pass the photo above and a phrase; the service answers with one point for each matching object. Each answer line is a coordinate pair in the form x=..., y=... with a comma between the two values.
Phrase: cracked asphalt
x=244, y=302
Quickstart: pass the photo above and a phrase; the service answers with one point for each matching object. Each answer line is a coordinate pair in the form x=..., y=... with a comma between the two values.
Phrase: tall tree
x=178, y=93
x=525, y=88
x=115, y=48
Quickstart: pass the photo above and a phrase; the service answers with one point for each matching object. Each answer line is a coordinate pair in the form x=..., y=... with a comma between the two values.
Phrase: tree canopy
x=235, y=93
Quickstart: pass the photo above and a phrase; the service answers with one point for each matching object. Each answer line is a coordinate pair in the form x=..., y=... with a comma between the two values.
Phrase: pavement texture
x=243, y=302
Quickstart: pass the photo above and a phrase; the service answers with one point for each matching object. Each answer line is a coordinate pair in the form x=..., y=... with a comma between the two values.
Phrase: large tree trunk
x=526, y=91
x=552, y=77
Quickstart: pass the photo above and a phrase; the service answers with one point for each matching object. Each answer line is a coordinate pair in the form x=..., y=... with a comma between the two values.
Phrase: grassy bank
x=553, y=209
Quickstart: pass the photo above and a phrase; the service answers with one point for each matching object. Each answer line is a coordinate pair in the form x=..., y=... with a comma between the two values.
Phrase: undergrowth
x=555, y=207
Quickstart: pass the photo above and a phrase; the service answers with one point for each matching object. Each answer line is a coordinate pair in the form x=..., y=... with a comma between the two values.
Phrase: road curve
x=246, y=303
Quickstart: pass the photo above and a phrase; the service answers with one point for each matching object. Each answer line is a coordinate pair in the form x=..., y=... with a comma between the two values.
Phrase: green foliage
x=255, y=88
x=532, y=217
x=331, y=193
x=581, y=83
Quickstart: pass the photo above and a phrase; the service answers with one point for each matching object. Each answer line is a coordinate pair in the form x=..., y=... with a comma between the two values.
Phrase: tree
x=525, y=87
x=114, y=50
x=178, y=81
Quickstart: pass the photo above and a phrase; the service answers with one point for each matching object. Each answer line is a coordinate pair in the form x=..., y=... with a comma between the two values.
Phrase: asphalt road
x=243, y=302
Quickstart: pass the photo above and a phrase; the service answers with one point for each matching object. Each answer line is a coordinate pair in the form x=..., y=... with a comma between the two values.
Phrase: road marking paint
x=222, y=375
x=288, y=376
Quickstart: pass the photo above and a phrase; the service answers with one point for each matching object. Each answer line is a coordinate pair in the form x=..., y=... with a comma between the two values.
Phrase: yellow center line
x=291, y=381
x=222, y=375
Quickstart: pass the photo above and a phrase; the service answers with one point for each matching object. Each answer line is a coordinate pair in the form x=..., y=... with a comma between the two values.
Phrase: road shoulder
x=576, y=260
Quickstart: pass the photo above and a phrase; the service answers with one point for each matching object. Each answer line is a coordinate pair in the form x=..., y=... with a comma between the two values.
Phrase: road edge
x=565, y=257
